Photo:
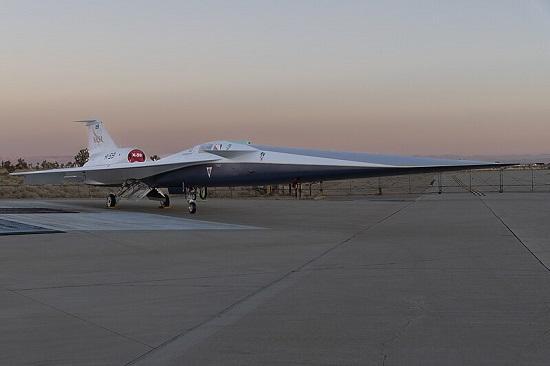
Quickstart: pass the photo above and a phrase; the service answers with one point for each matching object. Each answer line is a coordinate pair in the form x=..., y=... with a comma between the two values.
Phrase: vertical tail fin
x=99, y=139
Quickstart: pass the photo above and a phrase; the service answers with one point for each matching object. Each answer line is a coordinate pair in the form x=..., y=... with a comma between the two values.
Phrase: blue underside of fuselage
x=243, y=174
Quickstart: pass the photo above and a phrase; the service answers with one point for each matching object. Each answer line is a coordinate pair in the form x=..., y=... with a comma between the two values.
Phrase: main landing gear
x=164, y=200
x=165, y=203
x=111, y=201
x=138, y=190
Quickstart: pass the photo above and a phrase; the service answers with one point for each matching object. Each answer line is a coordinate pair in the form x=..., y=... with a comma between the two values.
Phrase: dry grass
x=13, y=187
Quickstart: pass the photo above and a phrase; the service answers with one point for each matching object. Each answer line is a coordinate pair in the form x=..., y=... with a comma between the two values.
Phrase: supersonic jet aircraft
x=225, y=163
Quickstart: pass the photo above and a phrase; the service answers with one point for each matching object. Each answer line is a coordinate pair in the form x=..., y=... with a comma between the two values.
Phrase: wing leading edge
x=114, y=174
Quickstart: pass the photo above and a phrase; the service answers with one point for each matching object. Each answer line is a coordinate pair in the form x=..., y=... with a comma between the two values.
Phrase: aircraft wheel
x=111, y=201
x=166, y=202
x=192, y=207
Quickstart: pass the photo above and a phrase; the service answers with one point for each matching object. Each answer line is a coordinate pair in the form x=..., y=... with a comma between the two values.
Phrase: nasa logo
x=98, y=139
x=136, y=156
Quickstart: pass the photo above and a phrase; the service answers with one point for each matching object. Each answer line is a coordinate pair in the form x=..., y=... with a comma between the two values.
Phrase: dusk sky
x=405, y=77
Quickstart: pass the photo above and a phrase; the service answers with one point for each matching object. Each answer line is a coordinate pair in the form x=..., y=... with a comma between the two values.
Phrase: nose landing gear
x=192, y=207
x=191, y=195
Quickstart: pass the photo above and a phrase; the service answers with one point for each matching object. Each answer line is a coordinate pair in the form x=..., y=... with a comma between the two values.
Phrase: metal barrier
x=522, y=179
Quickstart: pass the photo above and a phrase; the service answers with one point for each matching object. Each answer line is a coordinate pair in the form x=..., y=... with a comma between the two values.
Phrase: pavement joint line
x=404, y=263
x=392, y=267
x=384, y=345
x=89, y=322
x=514, y=234
x=224, y=317
x=98, y=284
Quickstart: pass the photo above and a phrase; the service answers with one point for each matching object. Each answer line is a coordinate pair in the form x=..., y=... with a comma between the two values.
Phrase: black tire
x=192, y=207
x=166, y=202
x=111, y=201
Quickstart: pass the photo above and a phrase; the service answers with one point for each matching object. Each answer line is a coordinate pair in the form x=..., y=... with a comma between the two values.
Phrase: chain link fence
x=517, y=179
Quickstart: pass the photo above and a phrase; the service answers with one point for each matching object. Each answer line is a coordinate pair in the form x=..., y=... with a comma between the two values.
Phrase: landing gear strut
x=203, y=193
x=136, y=189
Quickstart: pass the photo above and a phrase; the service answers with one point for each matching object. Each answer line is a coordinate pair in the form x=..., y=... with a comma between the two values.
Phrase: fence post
x=470, y=189
x=501, y=174
x=532, y=178
x=410, y=191
x=379, y=187
x=439, y=183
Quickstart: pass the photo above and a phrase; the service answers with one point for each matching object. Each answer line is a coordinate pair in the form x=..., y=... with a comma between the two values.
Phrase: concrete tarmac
x=448, y=279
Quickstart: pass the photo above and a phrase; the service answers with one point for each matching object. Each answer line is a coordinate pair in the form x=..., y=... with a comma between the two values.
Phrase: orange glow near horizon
x=433, y=80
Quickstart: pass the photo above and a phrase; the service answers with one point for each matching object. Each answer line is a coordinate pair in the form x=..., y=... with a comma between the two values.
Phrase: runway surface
x=456, y=278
